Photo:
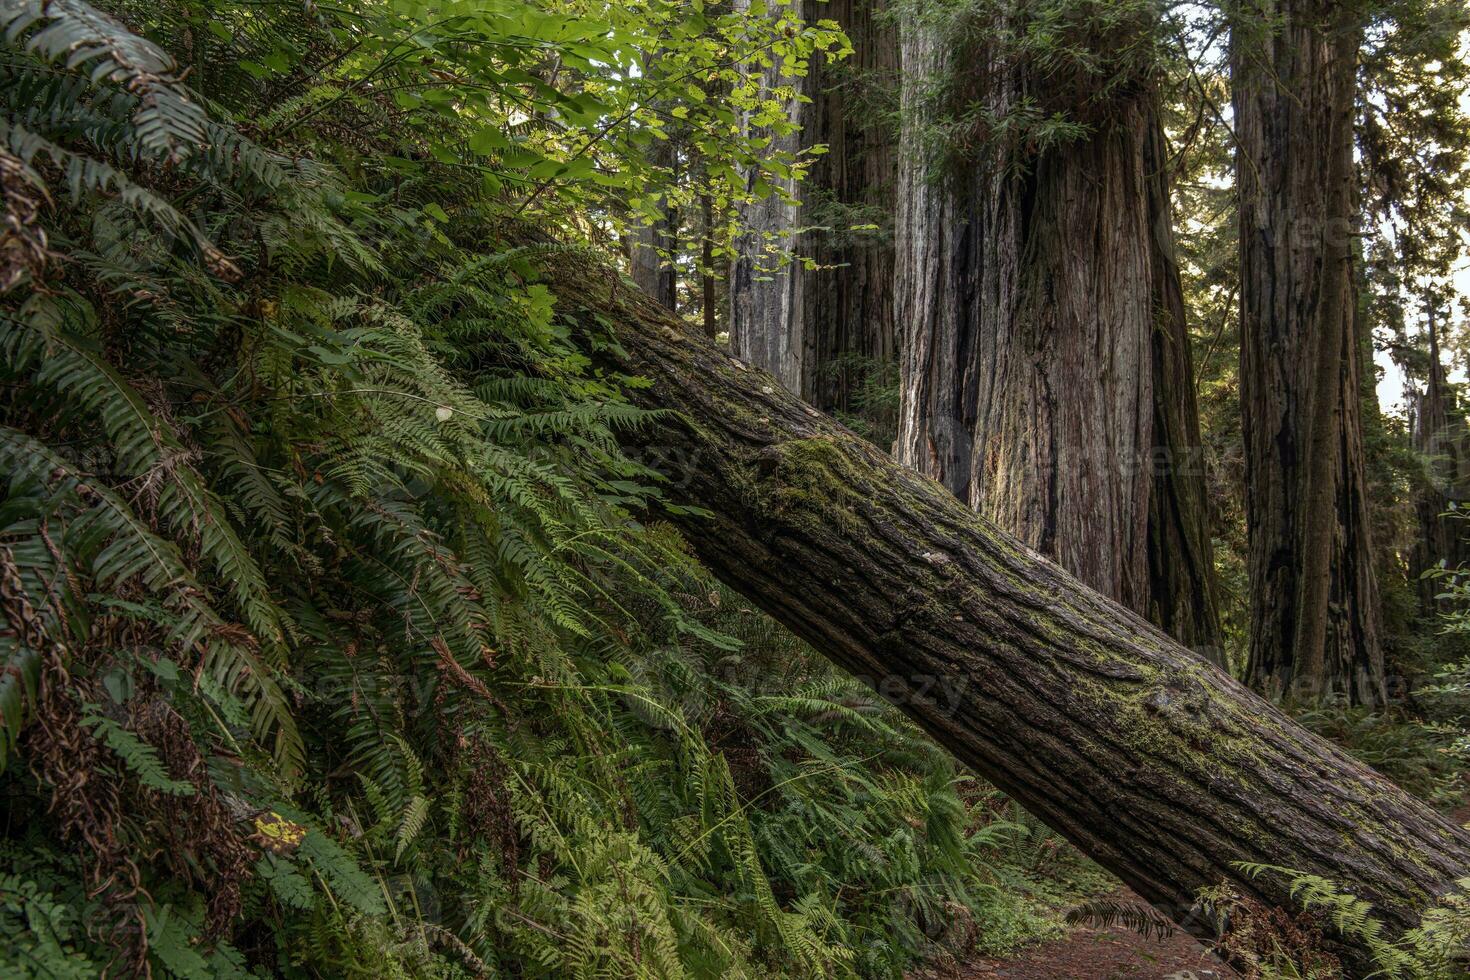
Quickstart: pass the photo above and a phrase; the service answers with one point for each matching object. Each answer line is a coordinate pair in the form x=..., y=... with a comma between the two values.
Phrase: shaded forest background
x=343, y=637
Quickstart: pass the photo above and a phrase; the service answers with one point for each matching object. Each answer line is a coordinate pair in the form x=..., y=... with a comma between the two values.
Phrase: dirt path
x=1088, y=953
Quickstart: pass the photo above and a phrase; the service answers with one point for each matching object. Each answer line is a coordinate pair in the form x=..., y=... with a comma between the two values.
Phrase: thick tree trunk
x=1153, y=762
x=1181, y=555
x=847, y=295
x=937, y=227
x=1314, y=595
x=820, y=323
x=1046, y=371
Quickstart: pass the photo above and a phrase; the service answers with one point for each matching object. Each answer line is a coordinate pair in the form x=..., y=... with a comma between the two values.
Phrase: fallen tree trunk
x=1150, y=760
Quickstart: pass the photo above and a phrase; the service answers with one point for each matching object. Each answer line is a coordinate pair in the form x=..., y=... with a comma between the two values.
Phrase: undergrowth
x=336, y=640
x=1280, y=944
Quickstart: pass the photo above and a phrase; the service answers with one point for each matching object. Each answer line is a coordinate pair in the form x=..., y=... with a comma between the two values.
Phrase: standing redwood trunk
x=847, y=296
x=652, y=246
x=820, y=322
x=1314, y=595
x=1437, y=428
x=1180, y=551
x=1150, y=760
x=938, y=218
x=1046, y=373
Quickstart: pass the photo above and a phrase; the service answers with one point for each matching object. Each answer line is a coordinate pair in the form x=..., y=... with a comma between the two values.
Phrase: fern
x=137, y=754
x=120, y=547
x=286, y=883
x=1109, y=914
x=301, y=466
x=415, y=815
x=167, y=122
x=1435, y=950
x=42, y=933
x=346, y=879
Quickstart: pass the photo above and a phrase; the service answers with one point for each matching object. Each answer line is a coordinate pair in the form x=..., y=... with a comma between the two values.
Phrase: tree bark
x=653, y=246
x=1314, y=593
x=1181, y=553
x=847, y=296
x=936, y=224
x=1153, y=762
x=819, y=326
x=1046, y=375
x=707, y=282
x=765, y=288
x=1438, y=432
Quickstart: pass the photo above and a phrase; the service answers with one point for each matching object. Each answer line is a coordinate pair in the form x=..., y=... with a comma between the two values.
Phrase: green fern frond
x=139, y=756
x=168, y=122
x=120, y=548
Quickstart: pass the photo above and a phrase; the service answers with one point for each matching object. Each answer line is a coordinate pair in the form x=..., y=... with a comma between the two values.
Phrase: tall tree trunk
x=847, y=295
x=818, y=326
x=707, y=280
x=654, y=246
x=1181, y=554
x=1153, y=762
x=938, y=221
x=1046, y=372
x=765, y=291
x=1438, y=431
x=1314, y=595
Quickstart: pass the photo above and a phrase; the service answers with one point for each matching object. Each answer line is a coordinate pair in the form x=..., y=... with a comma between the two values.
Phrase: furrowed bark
x=1315, y=616
x=1046, y=373
x=847, y=299
x=822, y=328
x=1181, y=555
x=1149, y=759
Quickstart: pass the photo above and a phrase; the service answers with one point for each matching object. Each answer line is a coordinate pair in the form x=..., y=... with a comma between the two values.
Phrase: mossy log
x=1156, y=764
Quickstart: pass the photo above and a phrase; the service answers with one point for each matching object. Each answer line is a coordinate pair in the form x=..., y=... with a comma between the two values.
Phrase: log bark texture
x=1315, y=615
x=1149, y=759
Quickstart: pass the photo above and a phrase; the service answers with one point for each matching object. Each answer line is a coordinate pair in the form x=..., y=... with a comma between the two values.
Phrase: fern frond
x=139, y=756
x=415, y=815
x=1107, y=913
x=168, y=123
x=122, y=548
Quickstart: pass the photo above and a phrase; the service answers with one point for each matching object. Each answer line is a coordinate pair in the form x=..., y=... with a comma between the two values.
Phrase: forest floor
x=1090, y=953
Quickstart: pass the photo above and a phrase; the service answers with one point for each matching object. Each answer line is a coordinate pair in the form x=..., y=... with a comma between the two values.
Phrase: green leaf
x=488, y=140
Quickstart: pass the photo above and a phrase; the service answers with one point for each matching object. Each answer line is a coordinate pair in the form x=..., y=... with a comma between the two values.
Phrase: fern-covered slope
x=336, y=642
